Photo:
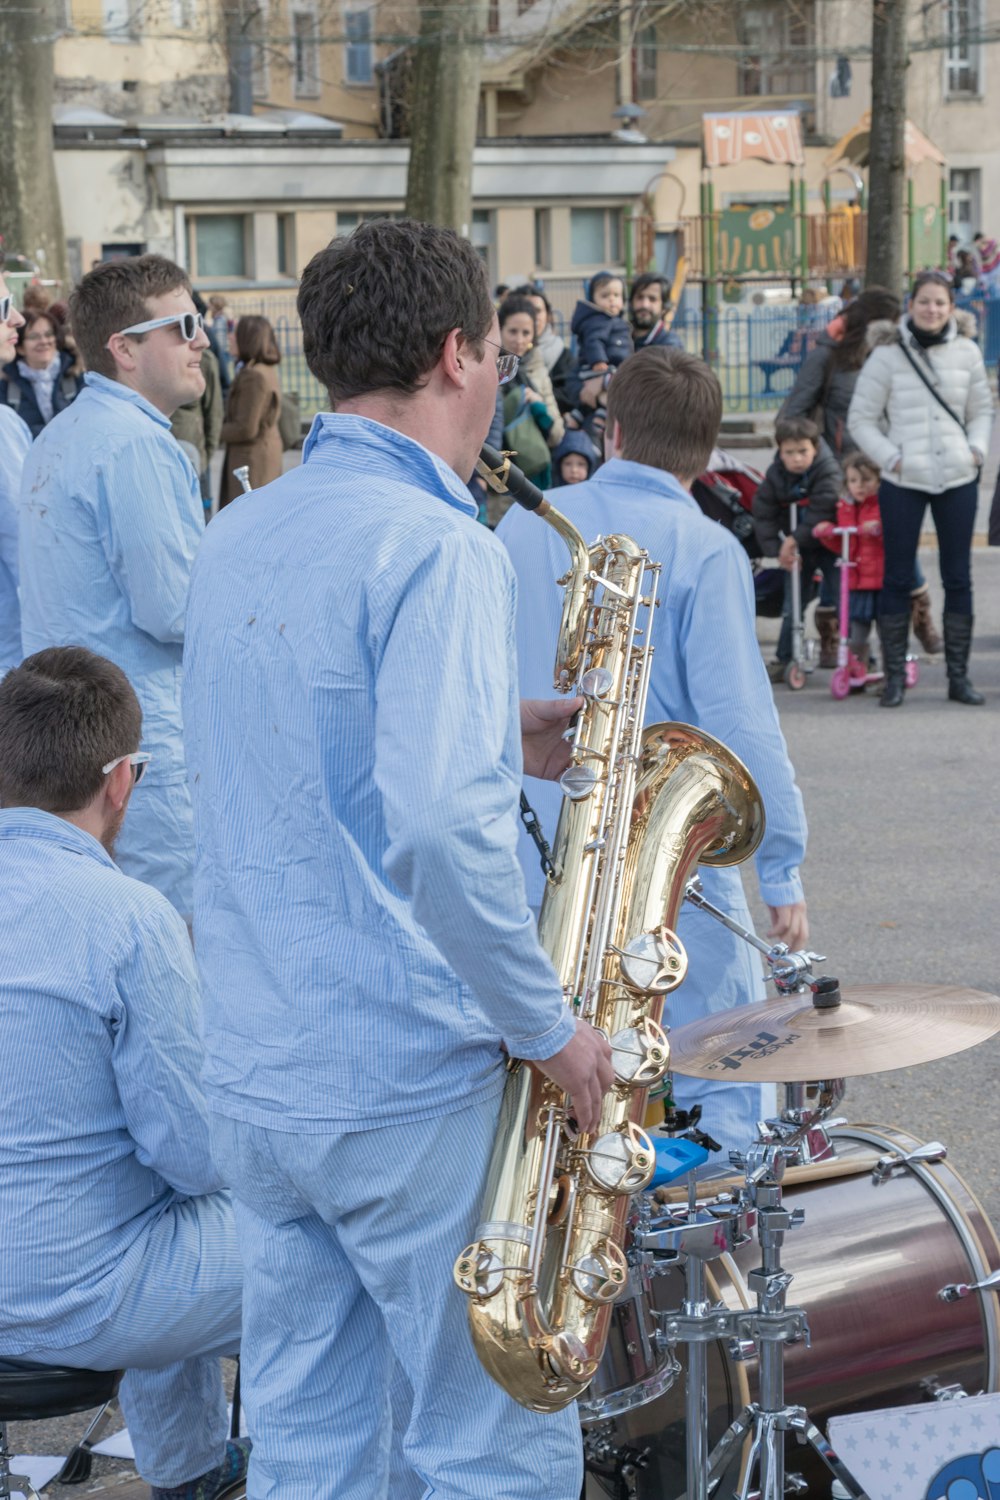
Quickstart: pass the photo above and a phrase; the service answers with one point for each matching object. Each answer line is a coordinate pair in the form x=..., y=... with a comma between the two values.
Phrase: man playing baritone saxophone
x=351, y=716
x=664, y=408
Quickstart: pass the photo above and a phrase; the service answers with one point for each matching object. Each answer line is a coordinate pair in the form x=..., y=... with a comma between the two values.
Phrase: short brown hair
x=860, y=461
x=377, y=306
x=668, y=406
x=113, y=296
x=64, y=713
x=255, y=341
x=796, y=430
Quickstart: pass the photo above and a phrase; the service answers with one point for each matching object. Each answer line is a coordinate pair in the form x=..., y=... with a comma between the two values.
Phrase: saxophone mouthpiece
x=505, y=478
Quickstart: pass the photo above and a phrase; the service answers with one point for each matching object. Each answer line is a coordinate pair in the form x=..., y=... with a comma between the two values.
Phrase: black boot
x=894, y=632
x=957, y=645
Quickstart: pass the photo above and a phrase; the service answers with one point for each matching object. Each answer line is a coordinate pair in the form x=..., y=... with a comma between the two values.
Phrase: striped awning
x=774, y=136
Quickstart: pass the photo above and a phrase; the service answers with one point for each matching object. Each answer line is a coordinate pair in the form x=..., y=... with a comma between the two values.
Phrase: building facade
x=239, y=135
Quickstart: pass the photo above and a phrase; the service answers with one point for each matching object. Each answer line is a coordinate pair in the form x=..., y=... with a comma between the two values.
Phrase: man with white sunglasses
x=110, y=519
x=117, y=1240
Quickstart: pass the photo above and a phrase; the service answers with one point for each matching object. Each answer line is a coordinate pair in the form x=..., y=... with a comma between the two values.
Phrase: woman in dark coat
x=44, y=378
x=823, y=389
x=250, y=432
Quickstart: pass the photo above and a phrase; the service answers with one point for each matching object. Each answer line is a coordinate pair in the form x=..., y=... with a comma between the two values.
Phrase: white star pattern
x=940, y=1445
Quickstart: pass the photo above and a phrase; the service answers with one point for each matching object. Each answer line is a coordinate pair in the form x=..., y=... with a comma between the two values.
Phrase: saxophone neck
x=576, y=599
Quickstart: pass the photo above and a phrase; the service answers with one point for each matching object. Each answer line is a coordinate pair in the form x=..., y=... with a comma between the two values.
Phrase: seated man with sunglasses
x=117, y=1244
x=110, y=519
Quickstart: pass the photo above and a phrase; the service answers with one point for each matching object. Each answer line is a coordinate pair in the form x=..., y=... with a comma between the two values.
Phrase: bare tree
x=444, y=111
x=887, y=148
x=30, y=212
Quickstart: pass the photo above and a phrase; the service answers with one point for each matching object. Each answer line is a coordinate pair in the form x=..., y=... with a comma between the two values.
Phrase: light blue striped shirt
x=15, y=440
x=111, y=518
x=707, y=667
x=351, y=713
x=102, y=1122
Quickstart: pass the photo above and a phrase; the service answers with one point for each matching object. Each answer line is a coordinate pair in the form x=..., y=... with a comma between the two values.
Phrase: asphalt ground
x=901, y=873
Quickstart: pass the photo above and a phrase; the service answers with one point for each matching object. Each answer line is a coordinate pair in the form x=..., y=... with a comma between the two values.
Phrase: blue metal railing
x=756, y=351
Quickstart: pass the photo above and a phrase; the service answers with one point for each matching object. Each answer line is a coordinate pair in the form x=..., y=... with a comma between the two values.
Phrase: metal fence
x=757, y=351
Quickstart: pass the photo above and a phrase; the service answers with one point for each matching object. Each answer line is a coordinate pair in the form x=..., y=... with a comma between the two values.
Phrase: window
x=543, y=239
x=119, y=251
x=963, y=60
x=963, y=203
x=523, y=5
x=305, y=54
x=493, y=18
x=349, y=219
x=286, y=245
x=120, y=19
x=482, y=232
x=217, y=245
x=595, y=236
x=774, y=34
x=358, y=62
x=644, y=63
x=182, y=14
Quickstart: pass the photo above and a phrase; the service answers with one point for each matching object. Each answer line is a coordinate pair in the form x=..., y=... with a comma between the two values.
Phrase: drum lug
x=886, y=1165
x=958, y=1290
x=942, y=1393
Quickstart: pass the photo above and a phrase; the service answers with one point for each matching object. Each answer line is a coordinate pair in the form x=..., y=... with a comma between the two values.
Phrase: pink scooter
x=852, y=674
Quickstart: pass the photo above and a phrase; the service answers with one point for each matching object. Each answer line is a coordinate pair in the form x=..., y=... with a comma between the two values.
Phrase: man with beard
x=117, y=1243
x=648, y=304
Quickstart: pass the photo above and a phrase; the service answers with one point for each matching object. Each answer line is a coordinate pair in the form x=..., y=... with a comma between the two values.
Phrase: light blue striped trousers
x=348, y=1242
x=180, y=1314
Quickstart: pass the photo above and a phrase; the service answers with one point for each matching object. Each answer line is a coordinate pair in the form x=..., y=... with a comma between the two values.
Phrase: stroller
x=725, y=494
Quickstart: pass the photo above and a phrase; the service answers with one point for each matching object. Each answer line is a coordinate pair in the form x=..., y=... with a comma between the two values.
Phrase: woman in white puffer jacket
x=930, y=450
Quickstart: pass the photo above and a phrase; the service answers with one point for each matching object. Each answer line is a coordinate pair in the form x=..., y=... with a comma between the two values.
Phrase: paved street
x=901, y=875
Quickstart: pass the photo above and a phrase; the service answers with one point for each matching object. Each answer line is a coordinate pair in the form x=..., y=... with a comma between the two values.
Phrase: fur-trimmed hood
x=962, y=324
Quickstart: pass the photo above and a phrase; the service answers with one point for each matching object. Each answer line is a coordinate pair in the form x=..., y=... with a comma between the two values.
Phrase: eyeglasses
x=6, y=303
x=138, y=761
x=39, y=338
x=506, y=363
x=189, y=323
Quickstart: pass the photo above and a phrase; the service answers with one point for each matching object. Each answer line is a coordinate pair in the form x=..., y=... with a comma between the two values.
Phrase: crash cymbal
x=871, y=1029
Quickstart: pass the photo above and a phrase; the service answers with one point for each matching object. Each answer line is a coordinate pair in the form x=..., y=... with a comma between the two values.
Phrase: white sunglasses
x=190, y=324
x=138, y=760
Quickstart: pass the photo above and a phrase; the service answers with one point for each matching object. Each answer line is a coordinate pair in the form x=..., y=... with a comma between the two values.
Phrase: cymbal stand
x=789, y=972
x=770, y=1326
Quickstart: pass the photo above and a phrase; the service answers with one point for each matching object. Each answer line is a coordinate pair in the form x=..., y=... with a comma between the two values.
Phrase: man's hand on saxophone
x=583, y=1069
x=544, y=722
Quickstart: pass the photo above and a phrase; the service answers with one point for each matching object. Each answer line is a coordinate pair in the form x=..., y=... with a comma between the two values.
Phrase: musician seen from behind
x=353, y=736
x=664, y=409
x=117, y=1243
x=110, y=519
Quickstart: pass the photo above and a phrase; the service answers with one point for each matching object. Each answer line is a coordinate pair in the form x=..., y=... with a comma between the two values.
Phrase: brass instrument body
x=643, y=808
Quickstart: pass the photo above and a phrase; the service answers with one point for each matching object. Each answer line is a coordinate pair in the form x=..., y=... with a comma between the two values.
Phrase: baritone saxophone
x=642, y=807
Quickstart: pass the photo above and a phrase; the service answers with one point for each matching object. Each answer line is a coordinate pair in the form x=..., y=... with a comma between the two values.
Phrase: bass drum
x=868, y=1263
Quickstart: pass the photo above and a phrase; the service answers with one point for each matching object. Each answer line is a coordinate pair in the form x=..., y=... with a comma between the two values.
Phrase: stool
x=31, y=1393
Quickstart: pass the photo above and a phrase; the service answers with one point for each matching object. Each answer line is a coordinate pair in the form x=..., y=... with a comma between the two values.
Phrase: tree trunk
x=887, y=152
x=30, y=212
x=444, y=110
